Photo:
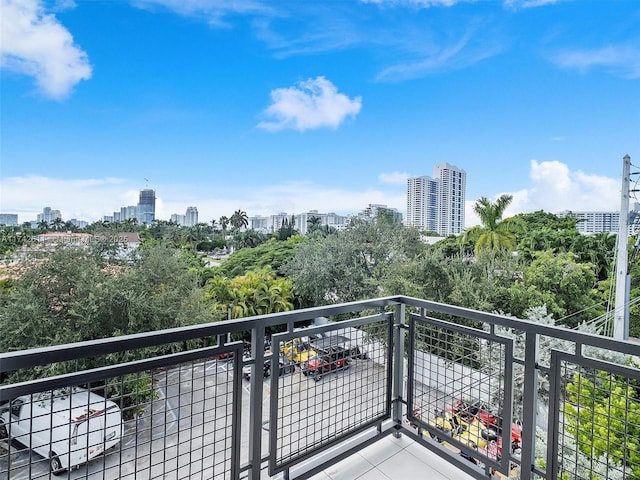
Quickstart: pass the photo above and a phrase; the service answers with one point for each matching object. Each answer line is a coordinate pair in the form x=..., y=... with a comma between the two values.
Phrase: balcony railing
x=261, y=396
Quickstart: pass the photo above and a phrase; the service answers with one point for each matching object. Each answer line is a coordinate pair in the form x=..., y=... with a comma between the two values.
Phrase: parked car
x=285, y=366
x=331, y=359
x=67, y=426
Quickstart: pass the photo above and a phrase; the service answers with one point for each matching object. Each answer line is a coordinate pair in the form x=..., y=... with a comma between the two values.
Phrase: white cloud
x=84, y=199
x=394, y=178
x=556, y=188
x=313, y=103
x=619, y=60
x=34, y=43
x=468, y=50
x=214, y=11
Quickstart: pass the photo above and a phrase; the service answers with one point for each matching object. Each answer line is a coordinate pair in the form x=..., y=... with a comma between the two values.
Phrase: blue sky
x=292, y=105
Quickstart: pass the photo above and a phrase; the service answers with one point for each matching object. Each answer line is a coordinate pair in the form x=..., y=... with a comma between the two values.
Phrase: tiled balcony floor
x=393, y=459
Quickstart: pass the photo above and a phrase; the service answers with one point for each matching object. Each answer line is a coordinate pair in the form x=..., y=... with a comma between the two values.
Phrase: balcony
x=373, y=396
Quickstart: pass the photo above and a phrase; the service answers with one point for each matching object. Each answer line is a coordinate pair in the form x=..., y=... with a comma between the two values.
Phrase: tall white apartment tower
x=437, y=203
x=191, y=217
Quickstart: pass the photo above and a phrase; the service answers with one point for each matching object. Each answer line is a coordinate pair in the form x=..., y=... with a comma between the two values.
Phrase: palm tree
x=239, y=220
x=494, y=234
x=313, y=224
x=224, y=223
x=57, y=224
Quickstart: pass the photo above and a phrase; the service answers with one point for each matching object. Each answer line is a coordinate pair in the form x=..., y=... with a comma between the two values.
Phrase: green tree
x=557, y=281
x=249, y=239
x=542, y=220
x=313, y=223
x=603, y=414
x=57, y=224
x=287, y=229
x=239, y=220
x=257, y=292
x=494, y=234
x=272, y=254
x=224, y=223
x=352, y=264
x=386, y=215
x=77, y=294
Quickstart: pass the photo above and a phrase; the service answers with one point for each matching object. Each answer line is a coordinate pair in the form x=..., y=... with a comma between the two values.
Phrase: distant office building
x=370, y=214
x=599, y=222
x=147, y=207
x=437, y=203
x=9, y=219
x=48, y=215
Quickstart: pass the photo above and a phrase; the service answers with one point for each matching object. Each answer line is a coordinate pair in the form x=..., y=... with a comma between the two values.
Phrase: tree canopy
x=495, y=234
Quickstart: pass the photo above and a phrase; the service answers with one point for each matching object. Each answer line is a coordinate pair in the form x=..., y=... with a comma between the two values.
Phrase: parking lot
x=172, y=437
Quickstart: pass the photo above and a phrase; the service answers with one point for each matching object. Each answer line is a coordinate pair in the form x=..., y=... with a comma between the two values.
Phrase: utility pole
x=621, y=312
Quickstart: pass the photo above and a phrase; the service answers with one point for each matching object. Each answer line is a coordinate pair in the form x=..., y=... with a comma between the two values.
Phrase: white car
x=67, y=426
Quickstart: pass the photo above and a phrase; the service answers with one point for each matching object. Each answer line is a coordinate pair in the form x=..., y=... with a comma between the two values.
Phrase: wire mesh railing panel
x=460, y=391
x=341, y=385
x=597, y=420
x=170, y=417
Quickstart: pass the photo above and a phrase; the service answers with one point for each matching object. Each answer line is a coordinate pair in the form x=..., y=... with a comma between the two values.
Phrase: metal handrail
x=399, y=393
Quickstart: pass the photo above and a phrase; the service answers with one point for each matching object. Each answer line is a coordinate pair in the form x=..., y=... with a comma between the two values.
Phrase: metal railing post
x=398, y=362
x=529, y=405
x=256, y=399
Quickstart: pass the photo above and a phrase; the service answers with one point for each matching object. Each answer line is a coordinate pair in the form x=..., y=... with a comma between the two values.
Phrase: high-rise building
x=437, y=203
x=48, y=215
x=147, y=206
x=191, y=217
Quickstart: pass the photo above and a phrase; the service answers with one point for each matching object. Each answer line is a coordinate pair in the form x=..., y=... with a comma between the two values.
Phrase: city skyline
x=295, y=107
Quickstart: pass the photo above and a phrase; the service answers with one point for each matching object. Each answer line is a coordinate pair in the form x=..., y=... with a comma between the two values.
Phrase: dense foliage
x=534, y=266
x=75, y=295
x=602, y=409
x=255, y=293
